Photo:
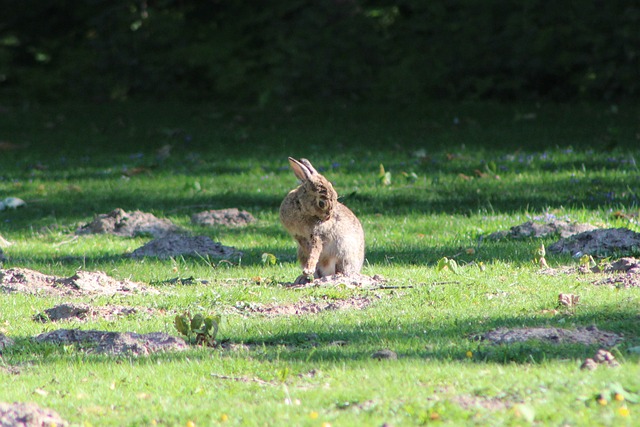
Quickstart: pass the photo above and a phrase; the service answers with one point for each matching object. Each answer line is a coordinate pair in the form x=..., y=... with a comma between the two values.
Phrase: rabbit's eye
x=322, y=204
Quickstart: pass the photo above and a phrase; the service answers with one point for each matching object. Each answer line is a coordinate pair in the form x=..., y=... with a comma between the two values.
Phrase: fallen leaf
x=41, y=392
x=568, y=300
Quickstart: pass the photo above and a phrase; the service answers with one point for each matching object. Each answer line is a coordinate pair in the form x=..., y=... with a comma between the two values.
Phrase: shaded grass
x=574, y=161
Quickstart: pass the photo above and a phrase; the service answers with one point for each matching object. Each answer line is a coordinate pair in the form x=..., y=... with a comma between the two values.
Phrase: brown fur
x=330, y=237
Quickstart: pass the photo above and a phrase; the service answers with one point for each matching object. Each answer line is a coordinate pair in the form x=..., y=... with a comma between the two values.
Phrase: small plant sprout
x=446, y=263
x=411, y=177
x=587, y=262
x=384, y=177
x=539, y=259
x=203, y=329
x=269, y=259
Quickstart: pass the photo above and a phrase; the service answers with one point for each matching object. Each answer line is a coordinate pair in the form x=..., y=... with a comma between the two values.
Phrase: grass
x=573, y=161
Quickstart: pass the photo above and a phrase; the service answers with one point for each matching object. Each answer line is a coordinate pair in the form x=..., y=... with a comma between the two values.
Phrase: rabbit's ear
x=301, y=170
x=309, y=166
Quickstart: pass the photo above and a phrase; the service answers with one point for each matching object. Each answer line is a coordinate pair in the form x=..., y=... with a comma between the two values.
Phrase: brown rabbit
x=330, y=237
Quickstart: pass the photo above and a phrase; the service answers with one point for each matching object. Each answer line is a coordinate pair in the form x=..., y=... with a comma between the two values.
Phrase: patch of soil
x=537, y=229
x=623, y=273
x=115, y=343
x=226, y=217
x=620, y=281
x=129, y=224
x=81, y=283
x=5, y=341
x=28, y=415
x=596, y=242
x=355, y=279
x=627, y=264
x=587, y=336
x=175, y=245
x=303, y=308
x=468, y=402
x=70, y=311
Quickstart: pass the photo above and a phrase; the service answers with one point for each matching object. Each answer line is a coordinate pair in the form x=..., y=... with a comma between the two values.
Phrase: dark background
x=281, y=50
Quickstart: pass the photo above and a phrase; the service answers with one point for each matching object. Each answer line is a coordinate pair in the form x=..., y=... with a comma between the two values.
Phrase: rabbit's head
x=317, y=197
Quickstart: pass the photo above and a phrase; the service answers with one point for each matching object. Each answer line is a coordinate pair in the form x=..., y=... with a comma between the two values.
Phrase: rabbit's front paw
x=303, y=279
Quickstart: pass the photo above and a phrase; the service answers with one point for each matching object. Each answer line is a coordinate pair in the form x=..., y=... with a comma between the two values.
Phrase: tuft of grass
x=452, y=182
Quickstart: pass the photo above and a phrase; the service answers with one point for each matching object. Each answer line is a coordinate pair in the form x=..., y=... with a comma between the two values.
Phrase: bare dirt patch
x=468, y=402
x=303, y=308
x=115, y=343
x=622, y=273
x=354, y=280
x=28, y=415
x=599, y=242
x=175, y=245
x=587, y=336
x=223, y=217
x=129, y=224
x=82, y=283
x=620, y=281
x=542, y=229
x=72, y=311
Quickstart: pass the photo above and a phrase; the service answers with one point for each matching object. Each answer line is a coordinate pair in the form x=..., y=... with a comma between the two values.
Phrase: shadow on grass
x=515, y=252
x=450, y=341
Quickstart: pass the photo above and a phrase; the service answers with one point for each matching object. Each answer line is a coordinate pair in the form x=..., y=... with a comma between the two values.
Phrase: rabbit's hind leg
x=326, y=266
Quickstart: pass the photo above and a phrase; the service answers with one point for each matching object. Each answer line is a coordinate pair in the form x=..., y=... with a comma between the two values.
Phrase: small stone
x=589, y=364
x=603, y=356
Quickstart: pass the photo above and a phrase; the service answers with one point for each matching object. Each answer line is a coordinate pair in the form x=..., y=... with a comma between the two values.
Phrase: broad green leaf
x=442, y=264
x=269, y=259
x=453, y=266
x=196, y=321
x=181, y=322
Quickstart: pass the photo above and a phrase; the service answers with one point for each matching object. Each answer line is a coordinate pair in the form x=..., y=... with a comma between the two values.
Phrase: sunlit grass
x=489, y=172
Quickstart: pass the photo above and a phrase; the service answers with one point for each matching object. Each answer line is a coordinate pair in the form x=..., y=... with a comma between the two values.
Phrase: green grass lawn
x=457, y=173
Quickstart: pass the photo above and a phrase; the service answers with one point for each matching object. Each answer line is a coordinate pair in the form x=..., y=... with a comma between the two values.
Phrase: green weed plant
x=452, y=175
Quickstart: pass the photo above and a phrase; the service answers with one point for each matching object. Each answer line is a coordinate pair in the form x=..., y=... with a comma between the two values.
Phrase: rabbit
x=330, y=237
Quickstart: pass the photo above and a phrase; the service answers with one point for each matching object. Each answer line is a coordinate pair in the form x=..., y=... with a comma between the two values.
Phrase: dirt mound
x=115, y=343
x=69, y=311
x=355, y=280
x=538, y=229
x=121, y=223
x=28, y=415
x=176, y=245
x=302, y=308
x=587, y=336
x=226, y=217
x=598, y=242
x=81, y=283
